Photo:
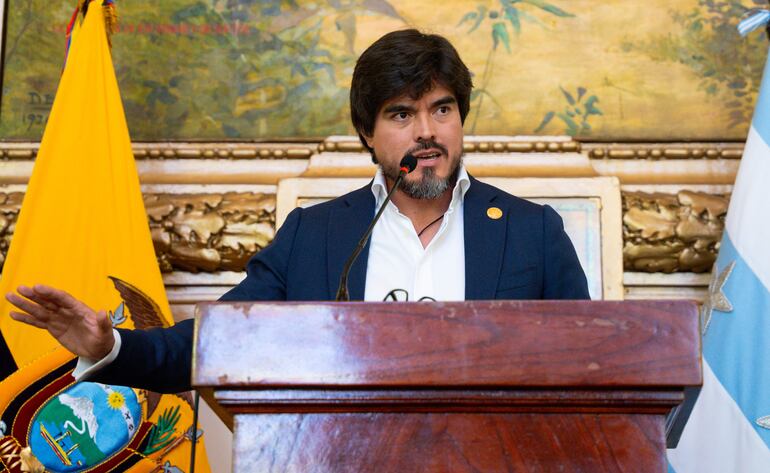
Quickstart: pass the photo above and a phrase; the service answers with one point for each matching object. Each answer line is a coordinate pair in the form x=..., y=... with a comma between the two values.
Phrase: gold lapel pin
x=494, y=213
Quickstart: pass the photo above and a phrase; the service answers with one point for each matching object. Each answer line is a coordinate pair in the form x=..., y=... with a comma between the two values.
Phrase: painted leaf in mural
x=576, y=114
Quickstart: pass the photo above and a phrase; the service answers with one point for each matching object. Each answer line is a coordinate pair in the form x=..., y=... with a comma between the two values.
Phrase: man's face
x=430, y=128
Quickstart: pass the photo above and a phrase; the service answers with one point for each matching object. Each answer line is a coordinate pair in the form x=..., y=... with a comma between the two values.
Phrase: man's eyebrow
x=398, y=107
x=444, y=101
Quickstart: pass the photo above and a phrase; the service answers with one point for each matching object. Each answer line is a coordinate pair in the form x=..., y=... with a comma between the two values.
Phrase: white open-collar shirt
x=397, y=259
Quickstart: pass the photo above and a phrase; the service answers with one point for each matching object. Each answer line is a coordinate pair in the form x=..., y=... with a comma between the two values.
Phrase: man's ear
x=368, y=140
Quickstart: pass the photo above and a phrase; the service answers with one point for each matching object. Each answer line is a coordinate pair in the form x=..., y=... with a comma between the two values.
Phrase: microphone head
x=408, y=163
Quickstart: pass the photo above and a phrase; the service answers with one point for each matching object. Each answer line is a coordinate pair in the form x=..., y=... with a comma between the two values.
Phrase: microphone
x=407, y=165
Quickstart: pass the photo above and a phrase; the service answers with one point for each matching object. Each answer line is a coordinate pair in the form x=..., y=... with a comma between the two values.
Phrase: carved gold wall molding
x=503, y=156
x=187, y=171
x=661, y=151
x=565, y=144
x=682, y=172
x=231, y=214
x=475, y=144
x=672, y=232
x=191, y=232
x=667, y=163
x=224, y=150
x=208, y=232
x=10, y=203
x=187, y=150
x=21, y=151
x=339, y=164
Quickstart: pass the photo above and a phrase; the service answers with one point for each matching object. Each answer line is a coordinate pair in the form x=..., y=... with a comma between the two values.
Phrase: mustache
x=428, y=144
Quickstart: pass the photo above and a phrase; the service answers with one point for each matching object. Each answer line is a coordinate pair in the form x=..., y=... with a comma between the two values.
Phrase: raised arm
x=80, y=329
x=157, y=359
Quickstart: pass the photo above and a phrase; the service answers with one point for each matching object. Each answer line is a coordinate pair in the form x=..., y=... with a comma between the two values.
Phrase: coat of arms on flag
x=48, y=422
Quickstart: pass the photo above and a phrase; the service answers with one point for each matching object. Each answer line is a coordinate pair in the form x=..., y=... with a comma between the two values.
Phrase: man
x=445, y=235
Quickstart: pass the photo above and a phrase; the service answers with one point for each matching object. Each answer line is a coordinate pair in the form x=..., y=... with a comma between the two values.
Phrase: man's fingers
x=30, y=294
x=104, y=322
x=25, y=291
x=59, y=298
x=27, y=319
x=32, y=308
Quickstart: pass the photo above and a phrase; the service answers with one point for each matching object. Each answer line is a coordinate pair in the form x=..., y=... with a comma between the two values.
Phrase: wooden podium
x=486, y=386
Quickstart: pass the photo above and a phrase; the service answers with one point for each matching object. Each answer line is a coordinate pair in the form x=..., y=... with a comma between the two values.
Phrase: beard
x=429, y=186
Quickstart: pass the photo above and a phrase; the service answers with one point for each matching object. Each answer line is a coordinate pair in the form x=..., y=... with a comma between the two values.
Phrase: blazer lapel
x=347, y=225
x=484, y=241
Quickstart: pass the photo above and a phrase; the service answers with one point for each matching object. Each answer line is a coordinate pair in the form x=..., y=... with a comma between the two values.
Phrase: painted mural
x=280, y=69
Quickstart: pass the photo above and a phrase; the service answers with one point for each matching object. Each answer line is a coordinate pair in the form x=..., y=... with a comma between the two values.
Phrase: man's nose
x=424, y=128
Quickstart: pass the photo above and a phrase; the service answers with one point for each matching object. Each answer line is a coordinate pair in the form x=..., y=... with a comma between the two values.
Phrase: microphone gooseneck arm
x=408, y=164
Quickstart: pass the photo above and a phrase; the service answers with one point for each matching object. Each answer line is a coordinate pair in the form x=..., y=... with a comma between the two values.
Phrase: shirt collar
x=380, y=188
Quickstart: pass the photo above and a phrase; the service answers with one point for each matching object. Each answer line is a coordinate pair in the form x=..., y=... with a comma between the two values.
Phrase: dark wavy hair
x=405, y=62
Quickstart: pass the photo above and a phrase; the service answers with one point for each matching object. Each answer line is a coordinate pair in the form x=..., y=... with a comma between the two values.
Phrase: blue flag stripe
x=737, y=344
x=762, y=112
x=753, y=22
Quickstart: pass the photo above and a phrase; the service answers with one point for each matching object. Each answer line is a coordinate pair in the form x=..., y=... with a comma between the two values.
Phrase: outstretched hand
x=72, y=323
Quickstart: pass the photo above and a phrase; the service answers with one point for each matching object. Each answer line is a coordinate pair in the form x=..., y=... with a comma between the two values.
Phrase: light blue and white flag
x=729, y=428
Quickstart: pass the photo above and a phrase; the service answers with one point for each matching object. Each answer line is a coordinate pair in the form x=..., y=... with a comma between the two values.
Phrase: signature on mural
x=35, y=114
x=504, y=20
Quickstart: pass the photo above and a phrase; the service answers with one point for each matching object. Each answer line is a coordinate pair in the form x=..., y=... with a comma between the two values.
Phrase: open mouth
x=432, y=155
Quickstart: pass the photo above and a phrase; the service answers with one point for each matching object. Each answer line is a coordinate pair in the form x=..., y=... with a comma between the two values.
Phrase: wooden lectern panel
x=500, y=343
x=485, y=386
x=399, y=443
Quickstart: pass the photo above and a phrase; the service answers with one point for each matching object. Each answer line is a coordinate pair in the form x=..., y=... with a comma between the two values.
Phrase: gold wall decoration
x=594, y=150
x=350, y=144
x=224, y=150
x=220, y=231
x=209, y=232
x=190, y=232
x=664, y=150
x=473, y=144
x=668, y=233
x=23, y=151
x=10, y=204
x=28, y=150
x=201, y=230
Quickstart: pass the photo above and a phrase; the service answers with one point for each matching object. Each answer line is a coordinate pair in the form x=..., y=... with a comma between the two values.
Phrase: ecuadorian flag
x=729, y=428
x=83, y=228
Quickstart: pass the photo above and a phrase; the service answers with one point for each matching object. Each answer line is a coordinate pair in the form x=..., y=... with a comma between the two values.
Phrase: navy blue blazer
x=525, y=254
